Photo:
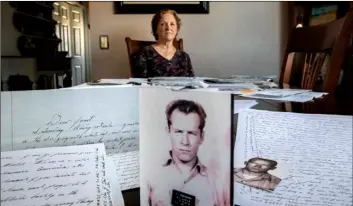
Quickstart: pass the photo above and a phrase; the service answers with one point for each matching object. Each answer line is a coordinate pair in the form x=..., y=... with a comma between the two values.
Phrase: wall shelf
x=15, y=57
x=43, y=38
x=43, y=4
x=35, y=17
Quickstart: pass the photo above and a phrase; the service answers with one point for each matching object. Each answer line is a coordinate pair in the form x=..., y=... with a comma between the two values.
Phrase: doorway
x=72, y=29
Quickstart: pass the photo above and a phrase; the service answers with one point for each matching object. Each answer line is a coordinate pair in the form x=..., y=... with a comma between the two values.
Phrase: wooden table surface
x=329, y=104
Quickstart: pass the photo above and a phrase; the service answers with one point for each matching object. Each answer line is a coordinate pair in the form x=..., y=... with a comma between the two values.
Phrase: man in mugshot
x=255, y=174
x=183, y=178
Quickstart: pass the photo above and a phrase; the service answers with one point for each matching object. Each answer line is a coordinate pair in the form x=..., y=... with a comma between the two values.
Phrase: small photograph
x=257, y=173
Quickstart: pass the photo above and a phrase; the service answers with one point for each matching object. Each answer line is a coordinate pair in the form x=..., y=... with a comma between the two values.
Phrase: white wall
x=235, y=38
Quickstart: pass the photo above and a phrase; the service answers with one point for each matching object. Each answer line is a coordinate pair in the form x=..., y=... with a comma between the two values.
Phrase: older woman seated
x=162, y=58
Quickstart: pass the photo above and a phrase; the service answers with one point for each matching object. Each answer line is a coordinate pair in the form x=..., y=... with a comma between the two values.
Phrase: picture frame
x=323, y=14
x=146, y=7
x=104, y=42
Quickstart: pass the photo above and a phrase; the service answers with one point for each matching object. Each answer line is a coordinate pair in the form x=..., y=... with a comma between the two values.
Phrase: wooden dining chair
x=134, y=46
x=321, y=46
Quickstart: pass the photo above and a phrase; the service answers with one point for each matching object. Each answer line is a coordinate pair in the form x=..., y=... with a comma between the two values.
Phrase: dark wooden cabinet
x=39, y=40
x=35, y=22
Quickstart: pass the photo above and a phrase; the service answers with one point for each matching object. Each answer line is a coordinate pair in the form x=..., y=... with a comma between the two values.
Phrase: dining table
x=328, y=104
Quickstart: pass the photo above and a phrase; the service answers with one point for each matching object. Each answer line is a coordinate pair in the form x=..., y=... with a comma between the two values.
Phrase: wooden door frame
x=87, y=46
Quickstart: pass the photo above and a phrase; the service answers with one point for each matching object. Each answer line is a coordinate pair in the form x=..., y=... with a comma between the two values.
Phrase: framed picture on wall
x=150, y=7
x=323, y=15
x=104, y=42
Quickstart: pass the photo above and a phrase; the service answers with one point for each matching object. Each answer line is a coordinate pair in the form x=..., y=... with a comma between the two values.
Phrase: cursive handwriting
x=128, y=169
x=318, y=148
x=54, y=176
x=107, y=191
x=61, y=131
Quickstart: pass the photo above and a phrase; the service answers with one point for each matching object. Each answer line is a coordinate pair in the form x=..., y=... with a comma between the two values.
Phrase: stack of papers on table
x=262, y=82
x=111, y=82
x=286, y=95
x=240, y=105
x=238, y=88
x=133, y=81
x=279, y=93
x=181, y=82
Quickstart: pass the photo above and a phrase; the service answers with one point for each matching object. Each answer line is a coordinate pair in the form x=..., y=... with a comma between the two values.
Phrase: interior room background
x=245, y=38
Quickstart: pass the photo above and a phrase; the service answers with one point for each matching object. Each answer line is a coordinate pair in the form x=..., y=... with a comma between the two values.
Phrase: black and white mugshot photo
x=256, y=173
x=185, y=148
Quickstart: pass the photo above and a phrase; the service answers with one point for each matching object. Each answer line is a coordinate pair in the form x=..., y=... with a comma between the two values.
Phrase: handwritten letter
x=76, y=117
x=128, y=169
x=53, y=176
x=318, y=148
x=116, y=195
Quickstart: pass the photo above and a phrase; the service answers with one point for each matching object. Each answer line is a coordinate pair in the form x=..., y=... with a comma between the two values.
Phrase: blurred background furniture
x=315, y=55
x=46, y=41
